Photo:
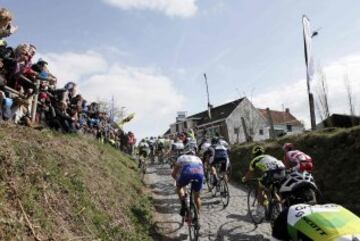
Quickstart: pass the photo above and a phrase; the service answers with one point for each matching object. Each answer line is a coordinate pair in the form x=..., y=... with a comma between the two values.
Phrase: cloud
x=294, y=95
x=145, y=91
x=178, y=8
x=70, y=66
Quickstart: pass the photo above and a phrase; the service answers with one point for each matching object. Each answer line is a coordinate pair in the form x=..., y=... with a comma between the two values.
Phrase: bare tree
x=109, y=106
x=349, y=94
x=322, y=92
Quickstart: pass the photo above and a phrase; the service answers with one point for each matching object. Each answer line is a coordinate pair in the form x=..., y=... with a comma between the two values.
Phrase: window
x=177, y=127
x=236, y=130
x=261, y=132
x=289, y=128
x=185, y=125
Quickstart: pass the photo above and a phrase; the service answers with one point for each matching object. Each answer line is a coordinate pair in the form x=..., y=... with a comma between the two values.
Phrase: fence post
x=35, y=101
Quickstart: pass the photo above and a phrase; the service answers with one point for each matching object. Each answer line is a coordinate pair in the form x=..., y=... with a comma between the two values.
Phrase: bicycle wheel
x=253, y=206
x=142, y=170
x=224, y=192
x=215, y=188
x=229, y=171
x=193, y=222
x=275, y=207
x=209, y=179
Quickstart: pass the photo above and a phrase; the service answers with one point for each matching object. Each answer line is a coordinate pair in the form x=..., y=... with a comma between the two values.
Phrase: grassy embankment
x=67, y=187
x=336, y=155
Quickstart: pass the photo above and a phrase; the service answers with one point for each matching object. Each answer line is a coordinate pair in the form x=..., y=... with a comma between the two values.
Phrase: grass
x=71, y=187
x=336, y=155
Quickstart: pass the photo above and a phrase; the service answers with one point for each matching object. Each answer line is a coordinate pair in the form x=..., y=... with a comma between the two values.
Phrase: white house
x=238, y=121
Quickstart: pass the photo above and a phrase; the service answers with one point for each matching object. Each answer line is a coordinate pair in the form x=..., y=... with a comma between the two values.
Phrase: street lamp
x=308, y=35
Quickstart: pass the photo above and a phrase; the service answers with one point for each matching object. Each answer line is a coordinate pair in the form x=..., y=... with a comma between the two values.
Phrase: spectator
x=6, y=27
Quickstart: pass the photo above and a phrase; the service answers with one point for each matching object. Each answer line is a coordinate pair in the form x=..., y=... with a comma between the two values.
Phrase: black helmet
x=214, y=140
x=258, y=150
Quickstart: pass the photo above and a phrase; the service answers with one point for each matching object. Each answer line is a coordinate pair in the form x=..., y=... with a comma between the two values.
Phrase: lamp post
x=308, y=35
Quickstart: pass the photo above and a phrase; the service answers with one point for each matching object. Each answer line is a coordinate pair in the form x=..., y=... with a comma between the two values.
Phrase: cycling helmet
x=43, y=95
x=299, y=187
x=288, y=147
x=189, y=148
x=214, y=140
x=258, y=150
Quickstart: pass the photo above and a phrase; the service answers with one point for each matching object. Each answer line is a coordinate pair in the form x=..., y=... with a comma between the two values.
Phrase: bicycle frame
x=191, y=214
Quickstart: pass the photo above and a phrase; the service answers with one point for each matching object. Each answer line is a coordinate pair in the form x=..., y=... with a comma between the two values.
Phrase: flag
x=307, y=48
x=127, y=119
x=208, y=96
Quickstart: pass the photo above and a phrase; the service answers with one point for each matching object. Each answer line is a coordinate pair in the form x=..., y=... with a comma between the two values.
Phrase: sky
x=151, y=54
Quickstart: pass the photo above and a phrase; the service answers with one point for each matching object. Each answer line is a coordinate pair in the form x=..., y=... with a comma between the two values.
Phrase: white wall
x=253, y=119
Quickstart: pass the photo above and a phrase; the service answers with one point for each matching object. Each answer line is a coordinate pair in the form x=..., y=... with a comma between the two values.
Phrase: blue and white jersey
x=218, y=151
x=177, y=146
x=188, y=162
x=224, y=143
x=204, y=147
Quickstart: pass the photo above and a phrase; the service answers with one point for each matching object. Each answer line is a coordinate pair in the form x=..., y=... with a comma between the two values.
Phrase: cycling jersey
x=144, y=149
x=143, y=146
x=298, y=161
x=264, y=163
x=160, y=144
x=329, y=222
x=204, y=147
x=190, y=168
x=217, y=152
x=224, y=143
x=177, y=146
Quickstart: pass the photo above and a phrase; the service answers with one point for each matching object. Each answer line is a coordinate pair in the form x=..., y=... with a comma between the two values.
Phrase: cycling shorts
x=222, y=162
x=272, y=176
x=191, y=173
x=143, y=153
x=306, y=166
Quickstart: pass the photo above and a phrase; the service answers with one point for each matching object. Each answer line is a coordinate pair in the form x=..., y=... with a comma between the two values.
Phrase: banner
x=126, y=120
x=307, y=48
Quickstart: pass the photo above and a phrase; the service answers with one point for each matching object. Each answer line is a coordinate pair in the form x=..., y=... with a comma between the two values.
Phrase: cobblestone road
x=217, y=224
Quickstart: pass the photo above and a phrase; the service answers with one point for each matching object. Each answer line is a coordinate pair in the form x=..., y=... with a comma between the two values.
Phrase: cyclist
x=176, y=149
x=296, y=160
x=188, y=167
x=218, y=153
x=203, y=147
x=160, y=148
x=151, y=143
x=266, y=169
x=177, y=146
x=144, y=151
x=305, y=222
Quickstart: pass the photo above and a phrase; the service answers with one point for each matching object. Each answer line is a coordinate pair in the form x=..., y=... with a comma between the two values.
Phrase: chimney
x=287, y=110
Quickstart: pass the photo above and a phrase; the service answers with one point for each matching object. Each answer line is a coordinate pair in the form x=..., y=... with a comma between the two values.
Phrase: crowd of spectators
x=29, y=95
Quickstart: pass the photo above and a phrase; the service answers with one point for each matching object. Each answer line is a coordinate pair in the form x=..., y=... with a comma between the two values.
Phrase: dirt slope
x=336, y=155
x=64, y=187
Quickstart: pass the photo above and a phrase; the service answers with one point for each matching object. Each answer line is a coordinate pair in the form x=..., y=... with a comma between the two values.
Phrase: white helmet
x=190, y=148
x=296, y=188
x=349, y=238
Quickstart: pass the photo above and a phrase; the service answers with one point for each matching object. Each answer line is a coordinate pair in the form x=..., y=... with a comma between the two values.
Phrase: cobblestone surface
x=217, y=224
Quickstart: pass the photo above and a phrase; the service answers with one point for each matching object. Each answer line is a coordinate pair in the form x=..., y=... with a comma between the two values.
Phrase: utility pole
x=208, y=96
x=308, y=35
